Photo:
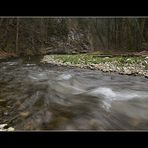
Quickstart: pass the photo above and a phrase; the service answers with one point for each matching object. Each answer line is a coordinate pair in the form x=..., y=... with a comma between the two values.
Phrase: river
x=35, y=96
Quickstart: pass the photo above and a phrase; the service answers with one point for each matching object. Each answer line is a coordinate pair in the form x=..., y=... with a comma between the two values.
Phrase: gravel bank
x=127, y=67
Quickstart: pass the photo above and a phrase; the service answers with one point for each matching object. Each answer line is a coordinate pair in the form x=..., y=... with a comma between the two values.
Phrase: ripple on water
x=51, y=97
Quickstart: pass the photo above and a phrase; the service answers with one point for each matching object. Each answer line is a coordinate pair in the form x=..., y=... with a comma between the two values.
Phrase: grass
x=137, y=65
x=91, y=59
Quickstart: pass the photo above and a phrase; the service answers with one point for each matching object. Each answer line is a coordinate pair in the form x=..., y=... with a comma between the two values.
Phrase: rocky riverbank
x=121, y=65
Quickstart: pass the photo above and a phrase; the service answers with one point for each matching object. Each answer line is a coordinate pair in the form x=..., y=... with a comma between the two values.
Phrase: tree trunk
x=17, y=35
x=41, y=32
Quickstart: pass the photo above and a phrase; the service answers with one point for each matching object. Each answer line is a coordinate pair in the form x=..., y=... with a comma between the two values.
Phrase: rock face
x=76, y=41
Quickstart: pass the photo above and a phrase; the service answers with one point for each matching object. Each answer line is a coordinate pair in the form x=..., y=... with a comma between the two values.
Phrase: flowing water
x=35, y=96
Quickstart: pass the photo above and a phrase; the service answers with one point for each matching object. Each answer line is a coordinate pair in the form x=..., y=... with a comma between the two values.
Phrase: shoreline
x=135, y=69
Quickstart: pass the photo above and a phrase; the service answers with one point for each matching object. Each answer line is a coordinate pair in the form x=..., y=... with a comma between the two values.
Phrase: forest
x=73, y=73
x=32, y=36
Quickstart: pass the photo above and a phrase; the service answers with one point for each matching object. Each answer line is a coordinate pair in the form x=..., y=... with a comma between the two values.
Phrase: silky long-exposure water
x=35, y=96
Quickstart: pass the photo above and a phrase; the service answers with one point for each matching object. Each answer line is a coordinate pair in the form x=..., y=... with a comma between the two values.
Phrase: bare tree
x=17, y=34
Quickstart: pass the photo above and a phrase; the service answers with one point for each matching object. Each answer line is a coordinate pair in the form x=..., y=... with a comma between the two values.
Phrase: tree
x=17, y=35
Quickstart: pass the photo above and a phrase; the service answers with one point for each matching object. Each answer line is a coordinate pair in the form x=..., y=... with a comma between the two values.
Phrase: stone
x=106, y=58
x=2, y=126
x=11, y=129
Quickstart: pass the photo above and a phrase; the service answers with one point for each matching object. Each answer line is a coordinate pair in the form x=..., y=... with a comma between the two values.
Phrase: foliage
x=90, y=59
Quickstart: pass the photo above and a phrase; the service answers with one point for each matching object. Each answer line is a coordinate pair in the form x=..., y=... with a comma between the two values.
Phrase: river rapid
x=35, y=96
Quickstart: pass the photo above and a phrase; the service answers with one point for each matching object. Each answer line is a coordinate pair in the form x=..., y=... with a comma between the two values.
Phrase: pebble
x=126, y=68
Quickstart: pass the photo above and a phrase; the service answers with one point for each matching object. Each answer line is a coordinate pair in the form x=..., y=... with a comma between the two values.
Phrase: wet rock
x=4, y=127
x=10, y=129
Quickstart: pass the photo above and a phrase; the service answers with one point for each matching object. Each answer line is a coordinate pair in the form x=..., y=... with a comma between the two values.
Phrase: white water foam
x=38, y=76
x=65, y=77
x=109, y=95
x=68, y=89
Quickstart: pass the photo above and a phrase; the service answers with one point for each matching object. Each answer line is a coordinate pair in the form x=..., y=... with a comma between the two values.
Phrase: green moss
x=90, y=59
